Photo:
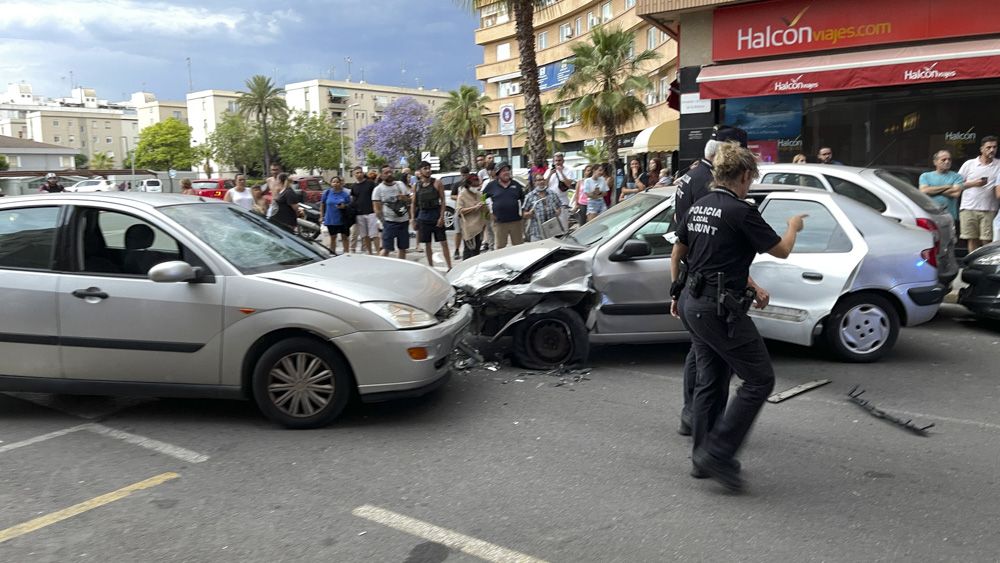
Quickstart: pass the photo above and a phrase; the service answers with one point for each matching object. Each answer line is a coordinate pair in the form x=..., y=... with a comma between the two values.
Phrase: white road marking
x=461, y=542
x=164, y=448
x=43, y=437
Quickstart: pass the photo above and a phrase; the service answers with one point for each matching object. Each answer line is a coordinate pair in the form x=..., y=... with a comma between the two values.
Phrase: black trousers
x=471, y=246
x=721, y=434
x=691, y=380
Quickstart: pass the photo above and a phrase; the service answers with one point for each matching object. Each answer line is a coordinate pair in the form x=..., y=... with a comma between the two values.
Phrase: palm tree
x=524, y=26
x=550, y=119
x=595, y=153
x=101, y=161
x=262, y=102
x=462, y=116
x=605, y=80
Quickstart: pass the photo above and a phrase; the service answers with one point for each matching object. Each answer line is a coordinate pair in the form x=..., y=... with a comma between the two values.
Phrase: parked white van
x=150, y=185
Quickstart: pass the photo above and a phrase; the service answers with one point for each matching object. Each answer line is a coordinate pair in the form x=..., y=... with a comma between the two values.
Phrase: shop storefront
x=878, y=81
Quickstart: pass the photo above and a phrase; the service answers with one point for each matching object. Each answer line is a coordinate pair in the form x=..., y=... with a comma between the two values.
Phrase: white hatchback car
x=92, y=185
x=150, y=185
x=884, y=192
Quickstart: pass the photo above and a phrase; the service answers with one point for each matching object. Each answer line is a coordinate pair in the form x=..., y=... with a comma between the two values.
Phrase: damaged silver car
x=853, y=278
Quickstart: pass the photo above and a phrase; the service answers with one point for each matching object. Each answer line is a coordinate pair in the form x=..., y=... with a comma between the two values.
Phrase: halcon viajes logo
x=794, y=84
x=964, y=136
x=792, y=34
x=928, y=73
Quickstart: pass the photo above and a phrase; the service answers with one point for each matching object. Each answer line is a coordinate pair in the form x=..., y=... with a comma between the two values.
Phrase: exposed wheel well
x=261, y=345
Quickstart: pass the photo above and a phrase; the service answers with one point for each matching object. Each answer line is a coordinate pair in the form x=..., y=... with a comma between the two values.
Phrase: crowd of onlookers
x=381, y=211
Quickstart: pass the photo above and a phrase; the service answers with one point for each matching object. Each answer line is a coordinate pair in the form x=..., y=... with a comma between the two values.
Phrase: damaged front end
x=509, y=285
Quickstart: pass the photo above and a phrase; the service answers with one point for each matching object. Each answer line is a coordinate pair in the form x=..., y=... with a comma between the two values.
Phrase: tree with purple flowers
x=401, y=132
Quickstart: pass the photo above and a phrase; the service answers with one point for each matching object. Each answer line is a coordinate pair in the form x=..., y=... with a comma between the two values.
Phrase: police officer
x=691, y=187
x=719, y=238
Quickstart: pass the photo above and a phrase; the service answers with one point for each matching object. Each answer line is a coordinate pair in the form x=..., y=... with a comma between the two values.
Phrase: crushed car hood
x=369, y=278
x=504, y=265
x=544, y=274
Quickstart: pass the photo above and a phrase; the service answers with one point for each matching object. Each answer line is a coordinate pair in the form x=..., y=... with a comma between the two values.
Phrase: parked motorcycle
x=310, y=224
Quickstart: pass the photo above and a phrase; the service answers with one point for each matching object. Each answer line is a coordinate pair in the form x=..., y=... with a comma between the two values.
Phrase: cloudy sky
x=122, y=46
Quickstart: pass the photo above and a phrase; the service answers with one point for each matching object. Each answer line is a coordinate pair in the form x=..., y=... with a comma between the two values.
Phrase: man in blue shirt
x=333, y=207
x=943, y=184
x=507, y=197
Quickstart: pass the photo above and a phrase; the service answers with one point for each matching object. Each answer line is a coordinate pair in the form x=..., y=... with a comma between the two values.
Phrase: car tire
x=549, y=340
x=449, y=218
x=281, y=389
x=862, y=328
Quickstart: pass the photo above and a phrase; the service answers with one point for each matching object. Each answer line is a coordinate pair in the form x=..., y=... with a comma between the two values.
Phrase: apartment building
x=149, y=110
x=353, y=105
x=205, y=110
x=81, y=121
x=558, y=26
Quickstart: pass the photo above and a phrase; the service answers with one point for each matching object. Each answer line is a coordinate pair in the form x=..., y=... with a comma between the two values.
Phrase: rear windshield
x=922, y=200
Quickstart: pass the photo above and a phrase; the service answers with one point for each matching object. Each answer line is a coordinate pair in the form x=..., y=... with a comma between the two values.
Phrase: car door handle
x=814, y=276
x=90, y=292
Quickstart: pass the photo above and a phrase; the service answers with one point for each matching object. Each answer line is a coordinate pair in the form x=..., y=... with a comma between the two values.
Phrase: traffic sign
x=172, y=173
x=507, y=126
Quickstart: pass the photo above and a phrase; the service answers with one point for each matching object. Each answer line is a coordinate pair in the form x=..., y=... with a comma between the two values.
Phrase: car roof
x=134, y=199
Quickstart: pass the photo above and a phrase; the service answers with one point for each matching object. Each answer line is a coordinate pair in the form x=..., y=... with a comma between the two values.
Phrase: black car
x=982, y=273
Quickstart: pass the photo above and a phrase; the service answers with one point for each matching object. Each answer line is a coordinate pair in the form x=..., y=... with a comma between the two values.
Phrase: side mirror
x=632, y=249
x=173, y=272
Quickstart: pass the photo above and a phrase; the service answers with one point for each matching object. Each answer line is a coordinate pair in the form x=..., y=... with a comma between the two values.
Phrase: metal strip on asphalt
x=985, y=425
x=76, y=509
x=455, y=540
x=43, y=437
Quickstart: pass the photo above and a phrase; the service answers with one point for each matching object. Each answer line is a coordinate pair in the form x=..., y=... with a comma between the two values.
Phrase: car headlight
x=401, y=316
x=991, y=260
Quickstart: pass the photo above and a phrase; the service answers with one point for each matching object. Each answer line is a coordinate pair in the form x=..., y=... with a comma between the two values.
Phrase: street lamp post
x=342, y=120
x=132, y=159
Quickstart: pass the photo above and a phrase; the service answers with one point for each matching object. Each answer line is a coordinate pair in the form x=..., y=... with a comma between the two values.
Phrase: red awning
x=848, y=71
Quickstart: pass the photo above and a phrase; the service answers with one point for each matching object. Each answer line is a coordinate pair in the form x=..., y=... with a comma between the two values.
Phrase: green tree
x=524, y=30
x=373, y=160
x=448, y=147
x=101, y=161
x=203, y=155
x=262, y=102
x=164, y=145
x=551, y=118
x=595, y=153
x=4, y=163
x=127, y=159
x=237, y=143
x=80, y=160
x=606, y=78
x=461, y=116
x=312, y=142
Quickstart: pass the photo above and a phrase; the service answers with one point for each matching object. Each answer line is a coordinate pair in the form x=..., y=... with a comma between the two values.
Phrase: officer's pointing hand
x=796, y=222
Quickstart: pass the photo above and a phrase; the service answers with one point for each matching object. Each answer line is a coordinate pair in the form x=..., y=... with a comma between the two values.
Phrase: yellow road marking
x=76, y=509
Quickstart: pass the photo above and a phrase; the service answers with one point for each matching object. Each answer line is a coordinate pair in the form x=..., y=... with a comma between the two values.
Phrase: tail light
x=931, y=254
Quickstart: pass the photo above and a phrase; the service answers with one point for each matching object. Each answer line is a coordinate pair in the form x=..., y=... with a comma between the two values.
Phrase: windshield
x=613, y=220
x=246, y=240
x=918, y=197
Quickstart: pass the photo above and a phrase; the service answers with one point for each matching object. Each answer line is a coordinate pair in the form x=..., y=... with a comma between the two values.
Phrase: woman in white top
x=240, y=195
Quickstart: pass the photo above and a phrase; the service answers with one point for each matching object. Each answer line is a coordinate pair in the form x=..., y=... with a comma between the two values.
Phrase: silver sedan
x=170, y=295
x=853, y=278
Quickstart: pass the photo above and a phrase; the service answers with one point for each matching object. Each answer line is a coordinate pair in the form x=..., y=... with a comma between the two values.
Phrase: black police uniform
x=691, y=187
x=723, y=233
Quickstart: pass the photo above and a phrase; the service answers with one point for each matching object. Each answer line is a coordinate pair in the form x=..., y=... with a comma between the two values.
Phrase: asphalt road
x=511, y=467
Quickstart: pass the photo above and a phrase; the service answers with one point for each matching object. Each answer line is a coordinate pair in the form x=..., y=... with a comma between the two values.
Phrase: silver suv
x=882, y=191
